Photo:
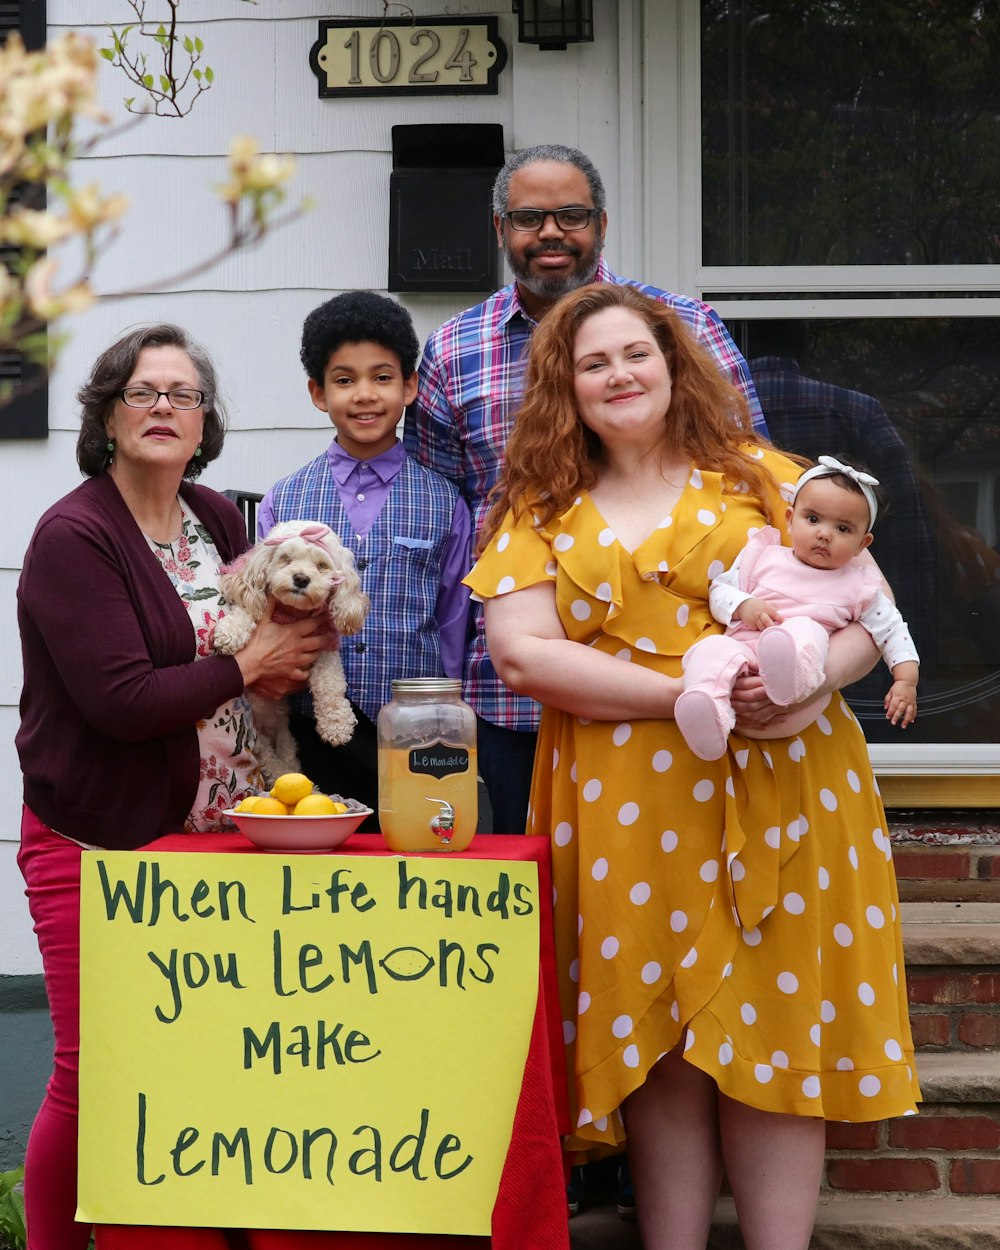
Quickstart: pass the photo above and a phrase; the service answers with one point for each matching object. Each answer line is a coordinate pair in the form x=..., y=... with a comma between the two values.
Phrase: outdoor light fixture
x=554, y=23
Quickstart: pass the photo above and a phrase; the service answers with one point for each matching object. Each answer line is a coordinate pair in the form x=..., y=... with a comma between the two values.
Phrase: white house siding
x=248, y=310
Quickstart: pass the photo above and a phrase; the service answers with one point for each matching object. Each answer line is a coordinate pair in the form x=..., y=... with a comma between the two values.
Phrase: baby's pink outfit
x=791, y=657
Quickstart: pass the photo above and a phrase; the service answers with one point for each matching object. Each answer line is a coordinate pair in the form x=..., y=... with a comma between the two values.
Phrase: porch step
x=963, y=864
x=952, y=952
x=951, y=1150
x=843, y=1222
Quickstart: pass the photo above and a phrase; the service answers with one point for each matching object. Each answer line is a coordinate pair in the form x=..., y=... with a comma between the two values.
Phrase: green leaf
x=165, y=84
x=107, y=53
x=209, y=76
x=188, y=44
x=197, y=74
x=12, y=1207
x=147, y=80
x=130, y=100
x=198, y=45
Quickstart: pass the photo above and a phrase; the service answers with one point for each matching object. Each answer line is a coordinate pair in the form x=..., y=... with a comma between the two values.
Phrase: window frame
x=668, y=186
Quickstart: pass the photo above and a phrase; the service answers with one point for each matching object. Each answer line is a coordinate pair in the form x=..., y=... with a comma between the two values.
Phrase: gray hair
x=547, y=152
x=111, y=372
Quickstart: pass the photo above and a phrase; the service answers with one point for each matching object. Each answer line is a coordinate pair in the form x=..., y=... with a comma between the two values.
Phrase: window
x=848, y=189
x=26, y=415
x=850, y=132
x=914, y=399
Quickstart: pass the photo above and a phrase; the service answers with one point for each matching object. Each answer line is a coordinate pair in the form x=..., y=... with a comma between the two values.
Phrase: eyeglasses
x=531, y=220
x=146, y=397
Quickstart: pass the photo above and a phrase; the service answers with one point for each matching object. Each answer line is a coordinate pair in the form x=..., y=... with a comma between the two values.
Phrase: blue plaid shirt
x=470, y=384
x=401, y=560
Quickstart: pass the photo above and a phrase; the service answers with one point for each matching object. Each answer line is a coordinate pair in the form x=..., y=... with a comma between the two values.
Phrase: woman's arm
x=533, y=656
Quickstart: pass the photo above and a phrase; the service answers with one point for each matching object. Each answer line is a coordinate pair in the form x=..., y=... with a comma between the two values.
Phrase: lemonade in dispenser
x=428, y=797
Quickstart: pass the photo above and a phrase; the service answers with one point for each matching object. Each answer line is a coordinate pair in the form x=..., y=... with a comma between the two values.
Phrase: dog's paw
x=226, y=641
x=336, y=724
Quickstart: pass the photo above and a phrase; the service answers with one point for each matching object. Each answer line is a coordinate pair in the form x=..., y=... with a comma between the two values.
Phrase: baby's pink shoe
x=791, y=669
x=704, y=723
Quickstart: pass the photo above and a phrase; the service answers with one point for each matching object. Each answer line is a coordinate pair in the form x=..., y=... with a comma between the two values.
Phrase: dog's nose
x=300, y=581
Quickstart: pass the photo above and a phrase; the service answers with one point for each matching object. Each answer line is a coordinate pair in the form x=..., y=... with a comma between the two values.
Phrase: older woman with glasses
x=130, y=726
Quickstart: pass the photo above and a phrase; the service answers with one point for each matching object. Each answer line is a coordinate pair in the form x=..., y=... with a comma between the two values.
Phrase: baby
x=781, y=604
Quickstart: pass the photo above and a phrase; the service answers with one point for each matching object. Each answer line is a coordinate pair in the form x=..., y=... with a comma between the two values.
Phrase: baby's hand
x=901, y=703
x=757, y=614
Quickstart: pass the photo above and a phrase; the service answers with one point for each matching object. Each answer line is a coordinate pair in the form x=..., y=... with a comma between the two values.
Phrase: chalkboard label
x=439, y=759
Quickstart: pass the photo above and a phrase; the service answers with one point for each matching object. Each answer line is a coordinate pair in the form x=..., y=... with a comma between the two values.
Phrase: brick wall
x=954, y=1008
x=945, y=1150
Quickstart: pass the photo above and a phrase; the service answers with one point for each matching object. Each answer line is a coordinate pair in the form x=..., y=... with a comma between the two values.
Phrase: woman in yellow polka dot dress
x=728, y=933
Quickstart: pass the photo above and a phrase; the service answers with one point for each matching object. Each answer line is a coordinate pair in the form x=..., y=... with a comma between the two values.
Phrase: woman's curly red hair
x=551, y=455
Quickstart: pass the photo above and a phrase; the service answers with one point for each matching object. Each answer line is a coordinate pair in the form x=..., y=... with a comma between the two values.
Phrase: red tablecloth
x=530, y=1211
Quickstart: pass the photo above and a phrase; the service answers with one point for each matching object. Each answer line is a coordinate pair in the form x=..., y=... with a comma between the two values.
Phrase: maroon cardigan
x=112, y=691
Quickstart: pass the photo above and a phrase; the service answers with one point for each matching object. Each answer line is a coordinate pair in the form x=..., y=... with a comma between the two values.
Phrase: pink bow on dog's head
x=315, y=533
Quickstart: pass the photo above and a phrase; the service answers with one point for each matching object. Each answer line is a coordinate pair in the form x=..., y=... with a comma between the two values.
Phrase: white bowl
x=298, y=835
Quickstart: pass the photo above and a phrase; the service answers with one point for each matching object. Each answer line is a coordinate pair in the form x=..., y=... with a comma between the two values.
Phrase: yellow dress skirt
x=747, y=906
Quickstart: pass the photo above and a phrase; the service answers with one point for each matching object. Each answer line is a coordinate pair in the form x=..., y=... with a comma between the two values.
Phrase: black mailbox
x=441, y=235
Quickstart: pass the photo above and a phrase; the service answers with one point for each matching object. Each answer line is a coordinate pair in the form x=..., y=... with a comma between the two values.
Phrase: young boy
x=408, y=527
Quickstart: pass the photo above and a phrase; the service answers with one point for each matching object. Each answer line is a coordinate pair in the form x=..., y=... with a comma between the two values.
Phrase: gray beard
x=554, y=286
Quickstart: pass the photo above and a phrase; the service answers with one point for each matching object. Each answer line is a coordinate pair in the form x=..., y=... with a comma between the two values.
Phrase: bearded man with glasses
x=550, y=219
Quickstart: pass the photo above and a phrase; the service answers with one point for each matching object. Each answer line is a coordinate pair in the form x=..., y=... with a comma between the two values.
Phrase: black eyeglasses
x=531, y=220
x=146, y=397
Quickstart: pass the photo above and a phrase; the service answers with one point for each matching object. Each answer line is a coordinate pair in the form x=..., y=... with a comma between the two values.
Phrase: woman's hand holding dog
x=277, y=658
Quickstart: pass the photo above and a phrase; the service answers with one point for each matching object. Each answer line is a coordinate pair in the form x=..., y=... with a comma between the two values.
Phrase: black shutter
x=27, y=413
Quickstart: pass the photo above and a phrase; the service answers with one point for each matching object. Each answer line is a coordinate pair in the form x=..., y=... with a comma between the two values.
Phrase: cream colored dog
x=305, y=568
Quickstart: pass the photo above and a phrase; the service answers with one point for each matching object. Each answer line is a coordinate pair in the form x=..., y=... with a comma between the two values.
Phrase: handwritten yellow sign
x=310, y=1042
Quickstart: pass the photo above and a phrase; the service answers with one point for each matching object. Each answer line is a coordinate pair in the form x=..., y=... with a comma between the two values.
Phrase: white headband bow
x=828, y=466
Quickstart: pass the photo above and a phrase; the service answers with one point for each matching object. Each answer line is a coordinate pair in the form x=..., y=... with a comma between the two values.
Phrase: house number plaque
x=448, y=56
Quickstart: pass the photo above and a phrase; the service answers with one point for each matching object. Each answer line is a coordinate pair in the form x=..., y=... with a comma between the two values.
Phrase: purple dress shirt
x=363, y=486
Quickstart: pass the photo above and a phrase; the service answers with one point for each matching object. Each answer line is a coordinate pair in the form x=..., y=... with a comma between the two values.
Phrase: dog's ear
x=348, y=602
x=246, y=585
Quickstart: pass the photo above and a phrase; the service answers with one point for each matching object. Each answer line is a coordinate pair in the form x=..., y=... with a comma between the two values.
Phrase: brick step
x=952, y=954
x=843, y=1222
x=961, y=871
x=951, y=1149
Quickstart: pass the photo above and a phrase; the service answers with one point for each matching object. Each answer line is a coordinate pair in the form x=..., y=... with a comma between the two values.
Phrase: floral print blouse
x=229, y=768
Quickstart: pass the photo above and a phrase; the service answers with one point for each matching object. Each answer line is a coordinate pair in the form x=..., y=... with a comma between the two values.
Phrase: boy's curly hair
x=357, y=317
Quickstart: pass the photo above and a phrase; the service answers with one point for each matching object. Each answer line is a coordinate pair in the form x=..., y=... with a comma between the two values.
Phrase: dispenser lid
x=426, y=685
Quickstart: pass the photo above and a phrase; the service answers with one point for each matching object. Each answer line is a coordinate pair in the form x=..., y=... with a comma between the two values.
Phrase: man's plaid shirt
x=470, y=384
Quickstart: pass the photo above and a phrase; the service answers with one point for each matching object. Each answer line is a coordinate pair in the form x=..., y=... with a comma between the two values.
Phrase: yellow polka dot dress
x=747, y=906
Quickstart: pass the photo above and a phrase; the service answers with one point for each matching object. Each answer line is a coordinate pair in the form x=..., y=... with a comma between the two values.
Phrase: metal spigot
x=443, y=824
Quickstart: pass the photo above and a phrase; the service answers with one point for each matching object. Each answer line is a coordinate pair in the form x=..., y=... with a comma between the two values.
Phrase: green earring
x=197, y=450
x=110, y=445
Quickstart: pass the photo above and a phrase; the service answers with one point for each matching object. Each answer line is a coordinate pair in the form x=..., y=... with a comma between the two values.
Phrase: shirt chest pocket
x=408, y=553
x=410, y=544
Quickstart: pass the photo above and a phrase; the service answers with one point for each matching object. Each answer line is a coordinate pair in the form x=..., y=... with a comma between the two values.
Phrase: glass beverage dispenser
x=427, y=766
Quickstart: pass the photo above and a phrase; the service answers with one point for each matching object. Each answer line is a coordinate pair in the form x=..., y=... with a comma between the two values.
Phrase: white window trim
x=915, y=278
x=946, y=760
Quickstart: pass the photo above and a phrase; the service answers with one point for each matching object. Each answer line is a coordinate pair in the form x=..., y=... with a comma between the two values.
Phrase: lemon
x=316, y=805
x=290, y=787
x=249, y=803
x=268, y=806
